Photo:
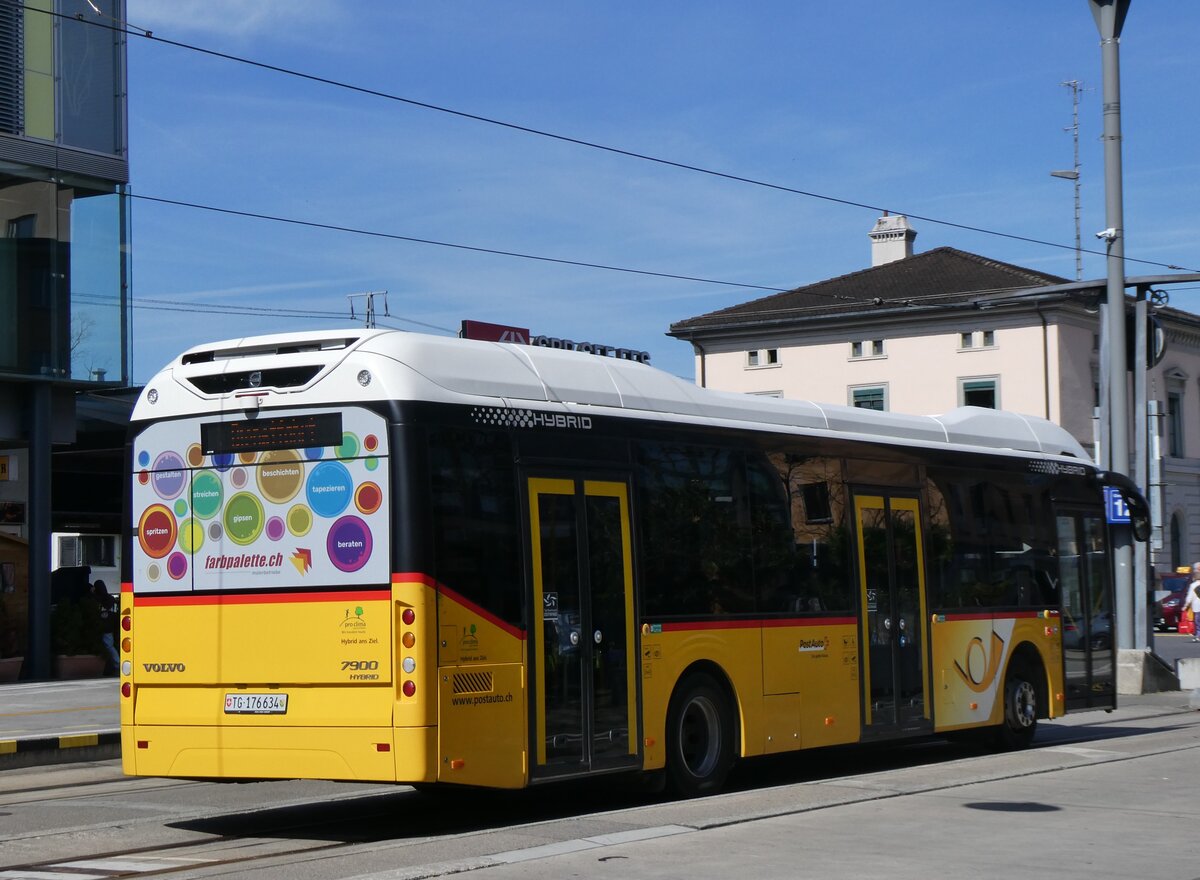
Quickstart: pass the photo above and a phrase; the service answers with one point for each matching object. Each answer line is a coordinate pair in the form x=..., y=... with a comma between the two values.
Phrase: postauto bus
x=378, y=555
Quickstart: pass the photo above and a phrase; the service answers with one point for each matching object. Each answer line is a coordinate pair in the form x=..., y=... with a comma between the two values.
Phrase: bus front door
x=894, y=632
x=583, y=666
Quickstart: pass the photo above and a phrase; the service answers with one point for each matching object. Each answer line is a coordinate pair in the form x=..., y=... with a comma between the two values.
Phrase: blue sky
x=939, y=108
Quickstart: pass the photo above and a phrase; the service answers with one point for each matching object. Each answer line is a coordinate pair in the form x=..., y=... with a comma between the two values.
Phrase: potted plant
x=77, y=636
x=11, y=656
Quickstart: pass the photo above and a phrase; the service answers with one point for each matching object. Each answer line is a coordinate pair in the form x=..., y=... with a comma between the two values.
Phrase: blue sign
x=1115, y=508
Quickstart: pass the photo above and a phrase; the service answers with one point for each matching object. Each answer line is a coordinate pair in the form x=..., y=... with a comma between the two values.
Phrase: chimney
x=891, y=239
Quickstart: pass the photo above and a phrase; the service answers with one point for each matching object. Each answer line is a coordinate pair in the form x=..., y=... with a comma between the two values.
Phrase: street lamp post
x=1110, y=17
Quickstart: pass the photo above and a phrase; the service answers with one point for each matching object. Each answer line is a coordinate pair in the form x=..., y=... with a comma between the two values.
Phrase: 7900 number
x=359, y=665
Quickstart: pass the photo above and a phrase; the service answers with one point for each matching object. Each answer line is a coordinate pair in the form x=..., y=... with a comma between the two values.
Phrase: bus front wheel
x=1020, y=711
x=699, y=737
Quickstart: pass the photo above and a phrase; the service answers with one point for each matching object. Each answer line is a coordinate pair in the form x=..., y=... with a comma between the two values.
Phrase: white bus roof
x=323, y=368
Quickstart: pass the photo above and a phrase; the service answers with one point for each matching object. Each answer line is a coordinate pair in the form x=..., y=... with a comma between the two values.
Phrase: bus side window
x=817, y=577
x=695, y=541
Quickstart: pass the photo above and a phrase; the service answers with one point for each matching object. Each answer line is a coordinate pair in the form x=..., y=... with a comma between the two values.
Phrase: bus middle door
x=582, y=653
x=891, y=568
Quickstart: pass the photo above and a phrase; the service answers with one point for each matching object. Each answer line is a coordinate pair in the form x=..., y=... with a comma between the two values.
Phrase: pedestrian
x=1191, y=601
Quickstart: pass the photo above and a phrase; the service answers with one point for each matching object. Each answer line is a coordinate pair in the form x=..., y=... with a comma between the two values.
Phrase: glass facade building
x=63, y=172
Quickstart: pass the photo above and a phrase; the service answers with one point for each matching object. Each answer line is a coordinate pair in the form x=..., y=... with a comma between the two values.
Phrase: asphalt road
x=1100, y=795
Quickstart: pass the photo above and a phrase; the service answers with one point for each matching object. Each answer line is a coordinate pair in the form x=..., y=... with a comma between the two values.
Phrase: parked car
x=1166, y=609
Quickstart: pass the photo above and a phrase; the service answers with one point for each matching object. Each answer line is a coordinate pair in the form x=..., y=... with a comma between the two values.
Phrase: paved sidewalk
x=57, y=721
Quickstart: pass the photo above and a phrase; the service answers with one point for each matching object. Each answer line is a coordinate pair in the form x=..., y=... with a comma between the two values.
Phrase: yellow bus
x=376, y=555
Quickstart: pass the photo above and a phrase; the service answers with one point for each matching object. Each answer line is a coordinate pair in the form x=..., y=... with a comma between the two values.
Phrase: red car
x=1166, y=609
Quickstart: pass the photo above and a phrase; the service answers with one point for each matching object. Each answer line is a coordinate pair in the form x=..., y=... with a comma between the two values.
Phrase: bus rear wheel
x=699, y=737
x=1020, y=711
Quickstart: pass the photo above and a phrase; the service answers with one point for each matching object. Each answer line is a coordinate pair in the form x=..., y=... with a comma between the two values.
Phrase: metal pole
x=1110, y=17
x=1141, y=554
x=37, y=659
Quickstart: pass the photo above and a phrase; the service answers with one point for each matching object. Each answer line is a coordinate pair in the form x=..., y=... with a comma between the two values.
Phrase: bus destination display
x=261, y=434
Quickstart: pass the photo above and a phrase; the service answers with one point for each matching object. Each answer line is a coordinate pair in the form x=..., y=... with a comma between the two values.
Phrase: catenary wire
x=133, y=30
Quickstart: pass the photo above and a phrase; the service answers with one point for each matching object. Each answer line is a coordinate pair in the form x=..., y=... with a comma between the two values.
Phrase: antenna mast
x=1074, y=86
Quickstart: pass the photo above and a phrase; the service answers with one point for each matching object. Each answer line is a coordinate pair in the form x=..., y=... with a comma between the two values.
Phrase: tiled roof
x=943, y=276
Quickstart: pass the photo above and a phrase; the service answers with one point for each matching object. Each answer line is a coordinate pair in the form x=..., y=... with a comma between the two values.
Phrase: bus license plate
x=256, y=704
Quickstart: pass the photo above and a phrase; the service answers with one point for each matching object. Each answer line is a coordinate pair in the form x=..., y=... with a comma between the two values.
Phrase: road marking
x=1082, y=752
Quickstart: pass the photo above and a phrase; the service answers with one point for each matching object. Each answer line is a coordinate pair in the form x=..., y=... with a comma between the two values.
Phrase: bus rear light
x=127, y=623
x=408, y=639
x=126, y=645
x=457, y=763
x=126, y=668
x=829, y=720
x=126, y=690
x=409, y=616
x=974, y=706
x=410, y=665
x=143, y=743
x=383, y=747
x=409, y=688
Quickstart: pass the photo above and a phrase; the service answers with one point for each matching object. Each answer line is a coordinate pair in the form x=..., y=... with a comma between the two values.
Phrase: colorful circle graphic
x=177, y=565
x=247, y=457
x=195, y=455
x=313, y=453
x=238, y=478
x=275, y=528
x=370, y=443
x=153, y=571
x=207, y=494
x=144, y=477
x=330, y=488
x=181, y=507
x=191, y=536
x=143, y=458
x=367, y=498
x=215, y=531
x=169, y=476
x=280, y=475
x=299, y=520
x=349, y=447
x=349, y=544
x=223, y=461
x=371, y=462
x=243, y=518
x=156, y=531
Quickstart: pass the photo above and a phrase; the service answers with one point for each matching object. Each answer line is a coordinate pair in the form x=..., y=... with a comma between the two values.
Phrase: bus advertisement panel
x=241, y=511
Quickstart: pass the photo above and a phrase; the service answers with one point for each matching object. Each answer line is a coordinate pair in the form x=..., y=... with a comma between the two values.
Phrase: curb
x=36, y=751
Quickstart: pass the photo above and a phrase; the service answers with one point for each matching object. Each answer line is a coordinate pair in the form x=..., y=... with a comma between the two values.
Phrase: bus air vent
x=281, y=377
x=472, y=682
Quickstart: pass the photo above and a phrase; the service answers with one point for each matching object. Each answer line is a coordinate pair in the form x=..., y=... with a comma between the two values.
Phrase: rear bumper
x=363, y=754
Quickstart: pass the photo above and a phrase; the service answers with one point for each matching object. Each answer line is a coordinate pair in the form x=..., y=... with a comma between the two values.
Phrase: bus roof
x=326, y=368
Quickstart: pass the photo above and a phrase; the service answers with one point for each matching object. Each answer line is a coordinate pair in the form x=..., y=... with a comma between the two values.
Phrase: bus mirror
x=1141, y=527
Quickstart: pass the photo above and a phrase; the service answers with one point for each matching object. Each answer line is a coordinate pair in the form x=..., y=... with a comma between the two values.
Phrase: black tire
x=1020, y=711
x=700, y=743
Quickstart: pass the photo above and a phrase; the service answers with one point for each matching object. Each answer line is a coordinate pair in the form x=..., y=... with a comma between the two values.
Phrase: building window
x=873, y=397
x=867, y=348
x=979, y=392
x=765, y=357
x=1176, y=542
x=1174, y=424
x=986, y=339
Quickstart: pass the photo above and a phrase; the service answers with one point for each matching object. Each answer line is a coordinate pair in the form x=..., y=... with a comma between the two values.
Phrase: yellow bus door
x=582, y=658
x=891, y=567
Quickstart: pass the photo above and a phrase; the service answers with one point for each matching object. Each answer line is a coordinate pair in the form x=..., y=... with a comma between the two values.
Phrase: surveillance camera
x=1109, y=234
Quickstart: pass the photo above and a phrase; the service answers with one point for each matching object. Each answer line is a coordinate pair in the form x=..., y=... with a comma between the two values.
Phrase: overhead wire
x=133, y=30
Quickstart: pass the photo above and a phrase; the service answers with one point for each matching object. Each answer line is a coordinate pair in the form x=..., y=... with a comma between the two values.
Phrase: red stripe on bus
x=444, y=590
x=126, y=587
x=260, y=598
x=758, y=623
x=997, y=615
